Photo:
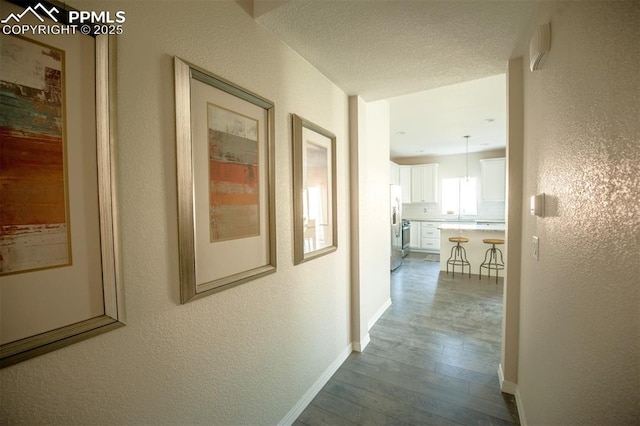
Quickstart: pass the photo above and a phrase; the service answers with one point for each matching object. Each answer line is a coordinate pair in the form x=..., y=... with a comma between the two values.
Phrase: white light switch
x=536, y=248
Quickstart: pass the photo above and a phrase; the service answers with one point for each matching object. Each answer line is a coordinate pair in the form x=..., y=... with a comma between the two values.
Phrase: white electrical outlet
x=536, y=248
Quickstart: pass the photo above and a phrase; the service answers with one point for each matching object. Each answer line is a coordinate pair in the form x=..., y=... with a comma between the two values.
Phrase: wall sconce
x=539, y=46
x=537, y=205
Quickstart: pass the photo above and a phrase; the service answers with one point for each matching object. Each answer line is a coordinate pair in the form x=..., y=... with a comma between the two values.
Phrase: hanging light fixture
x=467, y=158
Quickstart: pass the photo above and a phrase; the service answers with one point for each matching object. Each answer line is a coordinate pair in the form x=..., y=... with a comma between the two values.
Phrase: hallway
x=432, y=358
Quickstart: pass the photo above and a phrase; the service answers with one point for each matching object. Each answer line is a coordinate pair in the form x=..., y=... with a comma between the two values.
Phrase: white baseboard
x=520, y=405
x=359, y=346
x=378, y=314
x=364, y=341
x=505, y=385
x=512, y=388
x=311, y=393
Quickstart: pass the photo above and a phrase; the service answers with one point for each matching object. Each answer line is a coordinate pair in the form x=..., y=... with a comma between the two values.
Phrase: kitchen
x=448, y=161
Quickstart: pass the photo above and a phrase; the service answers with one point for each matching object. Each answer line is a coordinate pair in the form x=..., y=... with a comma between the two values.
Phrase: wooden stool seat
x=493, y=241
x=458, y=239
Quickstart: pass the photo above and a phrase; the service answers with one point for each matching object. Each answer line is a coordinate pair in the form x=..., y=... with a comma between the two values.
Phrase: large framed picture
x=226, y=200
x=314, y=191
x=59, y=271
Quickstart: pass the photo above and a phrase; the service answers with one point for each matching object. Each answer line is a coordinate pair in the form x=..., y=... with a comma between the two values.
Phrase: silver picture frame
x=315, y=226
x=108, y=266
x=226, y=237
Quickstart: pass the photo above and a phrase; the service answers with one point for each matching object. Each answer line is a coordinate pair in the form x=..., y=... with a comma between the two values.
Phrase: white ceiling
x=383, y=49
x=434, y=122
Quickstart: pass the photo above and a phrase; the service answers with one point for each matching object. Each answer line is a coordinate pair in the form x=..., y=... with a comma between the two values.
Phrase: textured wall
x=579, y=303
x=242, y=356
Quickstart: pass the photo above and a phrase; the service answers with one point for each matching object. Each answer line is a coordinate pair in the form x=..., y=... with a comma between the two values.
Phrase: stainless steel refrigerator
x=396, y=225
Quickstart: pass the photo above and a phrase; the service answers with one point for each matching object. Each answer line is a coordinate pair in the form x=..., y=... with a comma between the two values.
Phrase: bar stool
x=458, y=256
x=492, y=254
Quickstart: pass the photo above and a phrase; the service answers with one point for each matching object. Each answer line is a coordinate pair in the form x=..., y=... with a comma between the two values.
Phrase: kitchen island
x=475, y=248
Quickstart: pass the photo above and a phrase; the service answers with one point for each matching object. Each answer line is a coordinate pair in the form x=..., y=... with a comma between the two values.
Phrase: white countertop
x=468, y=224
x=455, y=220
x=483, y=226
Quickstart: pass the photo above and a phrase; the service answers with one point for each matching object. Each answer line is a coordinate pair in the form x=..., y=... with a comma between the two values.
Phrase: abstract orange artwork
x=234, y=192
x=34, y=225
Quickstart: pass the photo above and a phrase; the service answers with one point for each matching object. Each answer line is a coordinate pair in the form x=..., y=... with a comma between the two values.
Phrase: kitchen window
x=459, y=196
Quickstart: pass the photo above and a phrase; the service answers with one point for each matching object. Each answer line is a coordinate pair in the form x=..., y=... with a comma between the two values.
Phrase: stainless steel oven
x=406, y=237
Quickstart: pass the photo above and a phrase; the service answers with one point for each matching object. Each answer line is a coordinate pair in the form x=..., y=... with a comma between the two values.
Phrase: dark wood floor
x=432, y=358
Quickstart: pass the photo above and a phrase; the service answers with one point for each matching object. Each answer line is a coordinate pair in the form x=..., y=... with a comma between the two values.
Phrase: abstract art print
x=34, y=222
x=226, y=187
x=57, y=189
x=234, y=189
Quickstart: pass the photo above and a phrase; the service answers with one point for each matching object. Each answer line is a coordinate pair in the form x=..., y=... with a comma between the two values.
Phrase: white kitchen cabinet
x=414, y=239
x=394, y=173
x=493, y=175
x=424, y=183
x=405, y=183
x=425, y=236
x=430, y=236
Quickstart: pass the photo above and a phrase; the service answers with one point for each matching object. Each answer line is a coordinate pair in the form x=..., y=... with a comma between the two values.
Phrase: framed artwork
x=34, y=220
x=226, y=199
x=314, y=191
x=59, y=271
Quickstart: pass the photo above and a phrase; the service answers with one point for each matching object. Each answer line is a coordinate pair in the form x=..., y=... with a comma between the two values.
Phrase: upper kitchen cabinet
x=493, y=179
x=424, y=183
x=405, y=183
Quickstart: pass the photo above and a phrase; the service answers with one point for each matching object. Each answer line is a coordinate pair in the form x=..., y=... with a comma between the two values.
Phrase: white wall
x=370, y=204
x=579, y=331
x=374, y=219
x=242, y=356
x=508, y=369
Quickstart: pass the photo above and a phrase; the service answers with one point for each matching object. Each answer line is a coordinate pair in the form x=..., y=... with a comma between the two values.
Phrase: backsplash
x=491, y=210
x=424, y=211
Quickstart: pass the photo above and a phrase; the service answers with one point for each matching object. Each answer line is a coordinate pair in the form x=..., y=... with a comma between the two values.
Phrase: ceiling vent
x=539, y=46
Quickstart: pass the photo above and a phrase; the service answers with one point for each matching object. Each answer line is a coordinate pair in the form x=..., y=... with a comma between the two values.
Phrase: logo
x=49, y=13
x=88, y=22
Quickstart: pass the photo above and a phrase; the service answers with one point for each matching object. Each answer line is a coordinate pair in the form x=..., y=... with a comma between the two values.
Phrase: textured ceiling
x=382, y=49
x=379, y=49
